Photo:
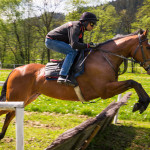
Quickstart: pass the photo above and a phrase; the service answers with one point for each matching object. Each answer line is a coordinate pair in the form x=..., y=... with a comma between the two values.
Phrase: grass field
x=46, y=118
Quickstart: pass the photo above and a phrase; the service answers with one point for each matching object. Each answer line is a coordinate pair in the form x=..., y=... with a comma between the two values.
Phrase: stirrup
x=65, y=81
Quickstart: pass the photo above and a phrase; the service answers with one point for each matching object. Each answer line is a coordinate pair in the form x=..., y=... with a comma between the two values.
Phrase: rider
x=67, y=39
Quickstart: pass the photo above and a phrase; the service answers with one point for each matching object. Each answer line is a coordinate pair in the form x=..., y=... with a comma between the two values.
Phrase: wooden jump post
x=19, y=108
x=79, y=137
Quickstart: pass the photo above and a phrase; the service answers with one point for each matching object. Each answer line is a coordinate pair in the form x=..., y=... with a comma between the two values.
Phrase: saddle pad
x=52, y=69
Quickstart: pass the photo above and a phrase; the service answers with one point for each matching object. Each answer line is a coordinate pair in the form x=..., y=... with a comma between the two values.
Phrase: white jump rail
x=19, y=108
x=116, y=116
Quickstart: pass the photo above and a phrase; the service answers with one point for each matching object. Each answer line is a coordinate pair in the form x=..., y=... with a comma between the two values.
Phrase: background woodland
x=23, y=26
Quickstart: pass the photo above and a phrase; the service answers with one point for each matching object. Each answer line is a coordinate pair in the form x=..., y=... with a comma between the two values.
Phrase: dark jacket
x=71, y=33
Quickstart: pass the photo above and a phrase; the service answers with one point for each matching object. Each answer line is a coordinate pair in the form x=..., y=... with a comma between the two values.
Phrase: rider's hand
x=92, y=45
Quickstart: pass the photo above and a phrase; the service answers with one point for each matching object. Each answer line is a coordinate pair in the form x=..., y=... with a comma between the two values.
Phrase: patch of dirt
x=7, y=140
x=54, y=114
x=37, y=124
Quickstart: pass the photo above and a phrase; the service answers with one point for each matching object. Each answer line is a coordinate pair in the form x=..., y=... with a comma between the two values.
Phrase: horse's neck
x=122, y=47
x=125, y=46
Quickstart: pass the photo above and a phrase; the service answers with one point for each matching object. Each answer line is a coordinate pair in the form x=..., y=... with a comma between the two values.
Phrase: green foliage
x=143, y=16
x=107, y=25
x=4, y=4
x=22, y=37
x=77, y=8
x=127, y=10
x=75, y=4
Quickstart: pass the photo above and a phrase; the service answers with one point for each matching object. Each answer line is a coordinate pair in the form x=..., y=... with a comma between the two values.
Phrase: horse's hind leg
x=8, y=119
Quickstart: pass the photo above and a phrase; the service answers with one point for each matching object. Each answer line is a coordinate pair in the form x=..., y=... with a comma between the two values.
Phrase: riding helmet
x=88, y=16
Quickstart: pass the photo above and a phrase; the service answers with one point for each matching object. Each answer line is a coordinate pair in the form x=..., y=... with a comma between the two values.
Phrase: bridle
x=125, y=59
x=143, y=54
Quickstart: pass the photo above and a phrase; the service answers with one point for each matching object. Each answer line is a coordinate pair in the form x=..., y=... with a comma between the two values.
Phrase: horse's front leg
x=114, y=88
x=7, y=121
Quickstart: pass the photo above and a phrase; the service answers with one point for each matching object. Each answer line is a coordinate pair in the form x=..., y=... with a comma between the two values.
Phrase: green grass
x=125, y=136
x=40, y=129
x=4, y=74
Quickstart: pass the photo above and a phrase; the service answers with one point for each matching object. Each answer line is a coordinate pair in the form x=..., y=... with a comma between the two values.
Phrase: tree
x=23, y=30
x=127, y=10
x=143, y=16
x=44, y=22
x=16, y=31
x=9, y=30
x=107, y=25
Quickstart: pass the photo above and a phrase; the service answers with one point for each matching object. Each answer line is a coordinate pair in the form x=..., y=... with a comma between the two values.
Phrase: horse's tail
x=4, y=89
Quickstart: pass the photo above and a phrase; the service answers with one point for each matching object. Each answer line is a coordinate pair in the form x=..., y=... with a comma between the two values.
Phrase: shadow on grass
x=113, y=138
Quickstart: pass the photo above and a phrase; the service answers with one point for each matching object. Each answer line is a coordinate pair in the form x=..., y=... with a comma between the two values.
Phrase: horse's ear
x=145, y=32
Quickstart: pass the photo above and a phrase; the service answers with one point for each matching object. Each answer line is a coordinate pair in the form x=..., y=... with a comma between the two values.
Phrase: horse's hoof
x=142, y=109
x=2, y=135
x=136, y=107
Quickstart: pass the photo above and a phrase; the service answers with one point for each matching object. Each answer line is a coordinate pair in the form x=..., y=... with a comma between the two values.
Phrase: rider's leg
x=66, y=49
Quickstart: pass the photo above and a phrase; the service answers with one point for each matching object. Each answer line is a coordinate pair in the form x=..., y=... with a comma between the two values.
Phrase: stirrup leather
x=79, y=94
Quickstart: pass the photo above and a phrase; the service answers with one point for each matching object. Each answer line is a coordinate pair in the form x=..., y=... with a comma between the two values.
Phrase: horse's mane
x=119, y=36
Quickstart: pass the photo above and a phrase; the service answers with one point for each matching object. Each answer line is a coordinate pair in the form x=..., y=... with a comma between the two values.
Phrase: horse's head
x=142, y=52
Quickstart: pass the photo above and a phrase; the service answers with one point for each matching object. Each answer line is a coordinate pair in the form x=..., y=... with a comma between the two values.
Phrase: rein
x=125, y=59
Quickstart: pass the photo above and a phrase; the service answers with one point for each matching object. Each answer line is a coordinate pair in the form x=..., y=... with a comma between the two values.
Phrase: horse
x=100, y=78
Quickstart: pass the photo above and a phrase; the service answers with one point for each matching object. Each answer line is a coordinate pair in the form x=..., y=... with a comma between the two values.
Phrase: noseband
x=143, y=54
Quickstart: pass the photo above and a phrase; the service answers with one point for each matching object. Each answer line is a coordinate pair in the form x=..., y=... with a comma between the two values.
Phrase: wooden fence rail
x=78, y=138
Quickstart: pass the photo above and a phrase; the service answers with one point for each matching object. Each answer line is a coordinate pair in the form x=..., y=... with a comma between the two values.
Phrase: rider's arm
x=74, y=32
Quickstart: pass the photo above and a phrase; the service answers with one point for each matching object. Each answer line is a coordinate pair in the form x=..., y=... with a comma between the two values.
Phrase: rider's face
x=89, y=26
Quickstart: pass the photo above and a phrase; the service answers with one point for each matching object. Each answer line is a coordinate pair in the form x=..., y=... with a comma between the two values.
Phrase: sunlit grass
x=40, y=129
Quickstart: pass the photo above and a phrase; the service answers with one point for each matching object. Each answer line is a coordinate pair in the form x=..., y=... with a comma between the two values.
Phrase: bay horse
x=99, y=79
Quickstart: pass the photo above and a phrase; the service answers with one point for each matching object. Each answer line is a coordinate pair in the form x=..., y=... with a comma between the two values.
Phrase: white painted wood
x=116, y=116
x=19, y=108
x=11, y=105
x=19, y=129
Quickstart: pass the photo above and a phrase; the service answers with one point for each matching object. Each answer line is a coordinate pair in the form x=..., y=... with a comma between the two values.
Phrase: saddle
x=53, y=68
